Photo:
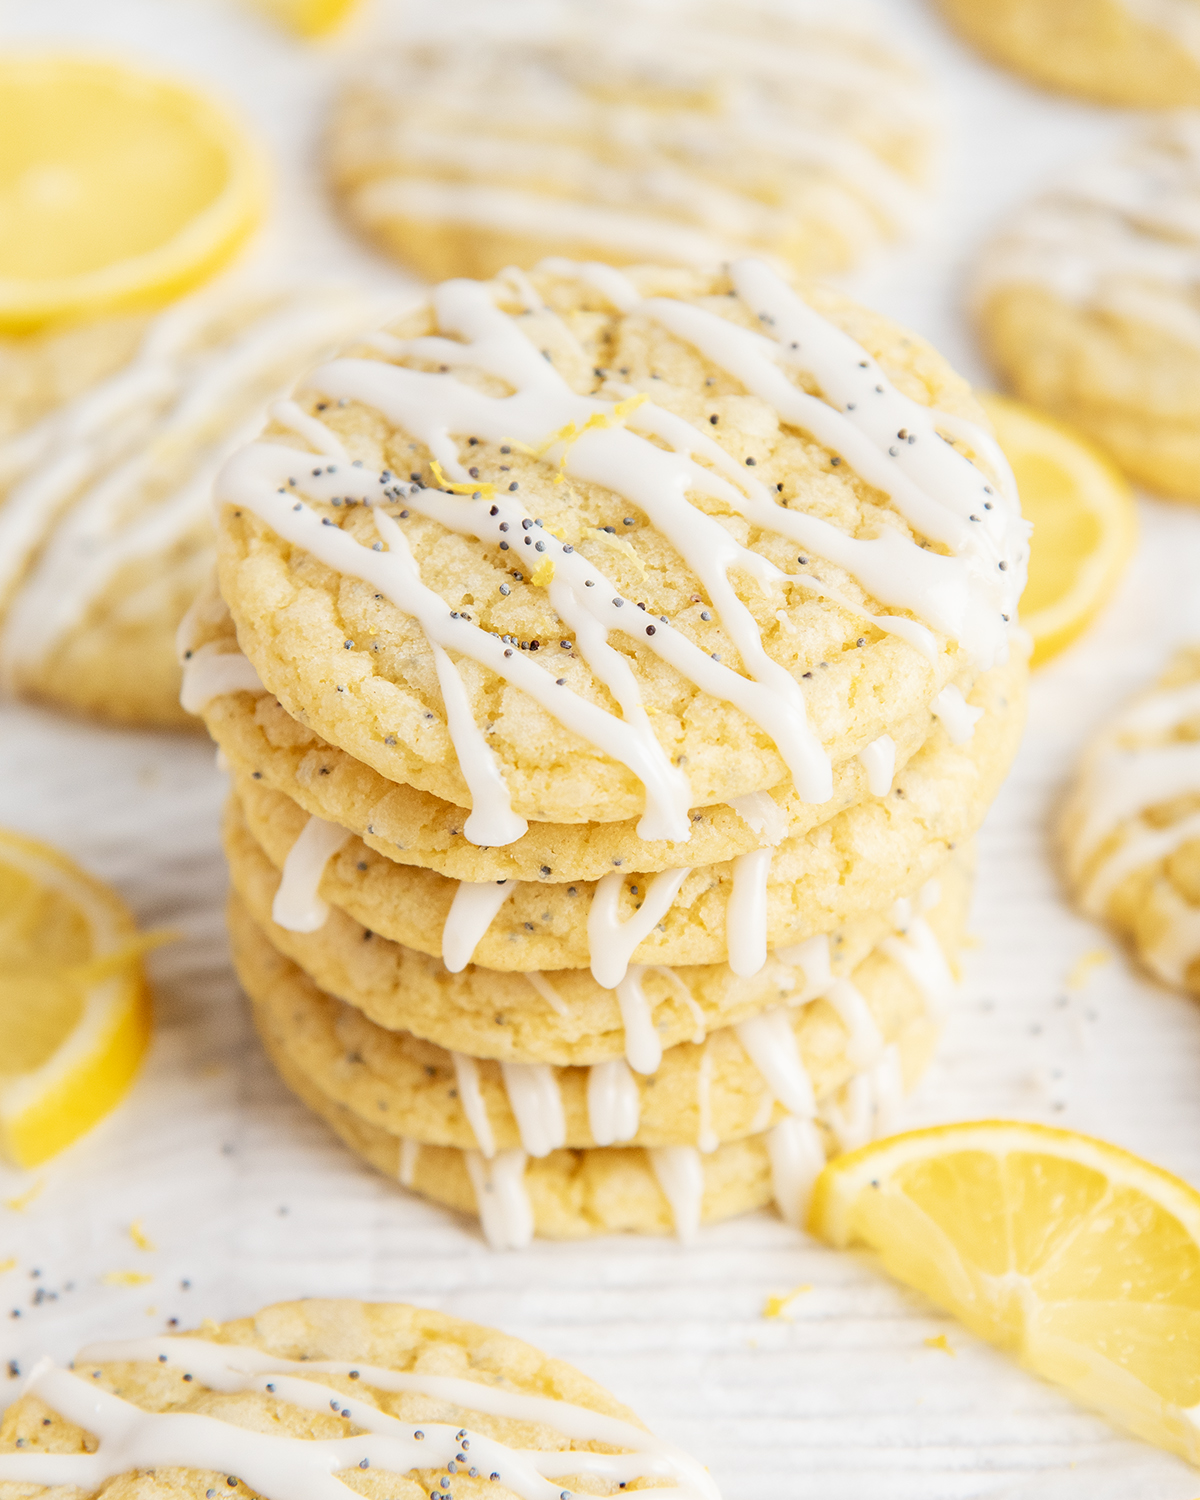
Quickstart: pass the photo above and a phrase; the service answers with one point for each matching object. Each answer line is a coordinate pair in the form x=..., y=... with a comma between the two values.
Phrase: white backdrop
x=248, y=1199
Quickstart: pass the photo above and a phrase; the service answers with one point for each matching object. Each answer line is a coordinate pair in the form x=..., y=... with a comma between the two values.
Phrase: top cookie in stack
x=611, y=623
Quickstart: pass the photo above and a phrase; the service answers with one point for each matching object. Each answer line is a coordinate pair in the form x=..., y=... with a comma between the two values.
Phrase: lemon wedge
x=1081, y=1259
x=306, y=17
x=1084, y=523
x=74, y=1007
x=118, y=190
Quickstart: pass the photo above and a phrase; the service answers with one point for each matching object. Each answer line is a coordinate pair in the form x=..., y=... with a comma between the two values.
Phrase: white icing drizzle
x=548, y=993
x=931, y=485
x=284, y=1468
x=210, y=672
x=920, y=954
x=1125, y=776
x=410, y=1151
x=878, y=760
x=852, y=1119
x=471, y=913
x=536, y=1101
x=505, y=1212
x=297, y=906
x=864, y=1042
x=535, y=142
x=887, y=1082
x=611, y=942
x=685, y=996
x=797, y=1154
x=813, y=957
x=614, y=1102
x=1120, y=233
x=84, y=497
x=770, y=1044
x=470, y=1096
x=643, y=1047
x=746, y=913
x=957, y=716
x=764, y=1113
x=706, y=1137
x=680, y=1174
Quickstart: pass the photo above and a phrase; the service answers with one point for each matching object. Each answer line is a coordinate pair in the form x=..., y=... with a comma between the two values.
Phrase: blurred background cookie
x=1087, y=302
x=1144, y=52
x=116, y=431
x=630, y=132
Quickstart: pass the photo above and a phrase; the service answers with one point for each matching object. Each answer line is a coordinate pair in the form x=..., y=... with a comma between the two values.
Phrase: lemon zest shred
x=125, y=1278
x=777, y=1307
x=139, y=1236
x=940, y=1341
x=483, y=488
x=1084, y=965
x=619, y=544
x=543, y=574
x=572, y=432
x=22, y=1201
x=8, y=1265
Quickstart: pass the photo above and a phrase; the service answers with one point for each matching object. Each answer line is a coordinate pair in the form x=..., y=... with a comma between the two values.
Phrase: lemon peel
x=123, y=189
x=1078, y=1257
x=126, y=1278
x=483, y=488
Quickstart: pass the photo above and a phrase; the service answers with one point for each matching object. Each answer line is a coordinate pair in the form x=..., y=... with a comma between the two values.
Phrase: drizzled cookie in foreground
x=321, y=1400
x=614, y=668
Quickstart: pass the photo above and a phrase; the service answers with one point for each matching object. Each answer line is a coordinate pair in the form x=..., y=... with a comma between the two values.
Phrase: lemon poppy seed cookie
x=734, y=1082
x=563, y=1016
x=630, y=132
x=329, y=1398
x=1087, y=302
x=1140, y=52
x=698, y=610
x=794, y=888
x=105, y=479
x=1131, y=829
x=573, y=1194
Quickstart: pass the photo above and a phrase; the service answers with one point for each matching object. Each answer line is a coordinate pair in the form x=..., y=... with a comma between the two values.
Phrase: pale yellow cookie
x=112, y=436
x=562, y=1017
x=379, y=1399
x=1116, y=51
x=697, y=598
x=1087, y=302
x=576, y=1194
x=1131, y=828
x=639, y=131
x=263, y=743
x=700, y=1092
x=853, y=865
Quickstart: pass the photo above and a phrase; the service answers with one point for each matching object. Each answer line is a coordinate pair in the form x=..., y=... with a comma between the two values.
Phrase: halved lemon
x=118, y=190
x=306, y=17
x=1084, y=523
x=1080, y=1258
x=74, y=1006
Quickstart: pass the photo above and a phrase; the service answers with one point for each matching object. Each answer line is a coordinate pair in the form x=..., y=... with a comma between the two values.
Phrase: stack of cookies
x=613, y=668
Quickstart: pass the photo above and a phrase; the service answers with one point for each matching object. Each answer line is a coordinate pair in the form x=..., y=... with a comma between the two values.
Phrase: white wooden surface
x=248, y=1199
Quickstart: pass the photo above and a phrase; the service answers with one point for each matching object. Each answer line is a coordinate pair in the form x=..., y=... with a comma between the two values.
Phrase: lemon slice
x=74, y=1007
x=306, y=17
x=1084, y=523
x=1080, y=1258
x=117, y=190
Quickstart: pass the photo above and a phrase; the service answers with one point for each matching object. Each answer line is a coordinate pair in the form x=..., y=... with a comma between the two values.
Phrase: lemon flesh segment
x=74, y=1007
x=118, y=190
x=1084, y=523
x=1079, y=1258
x=306, y=17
